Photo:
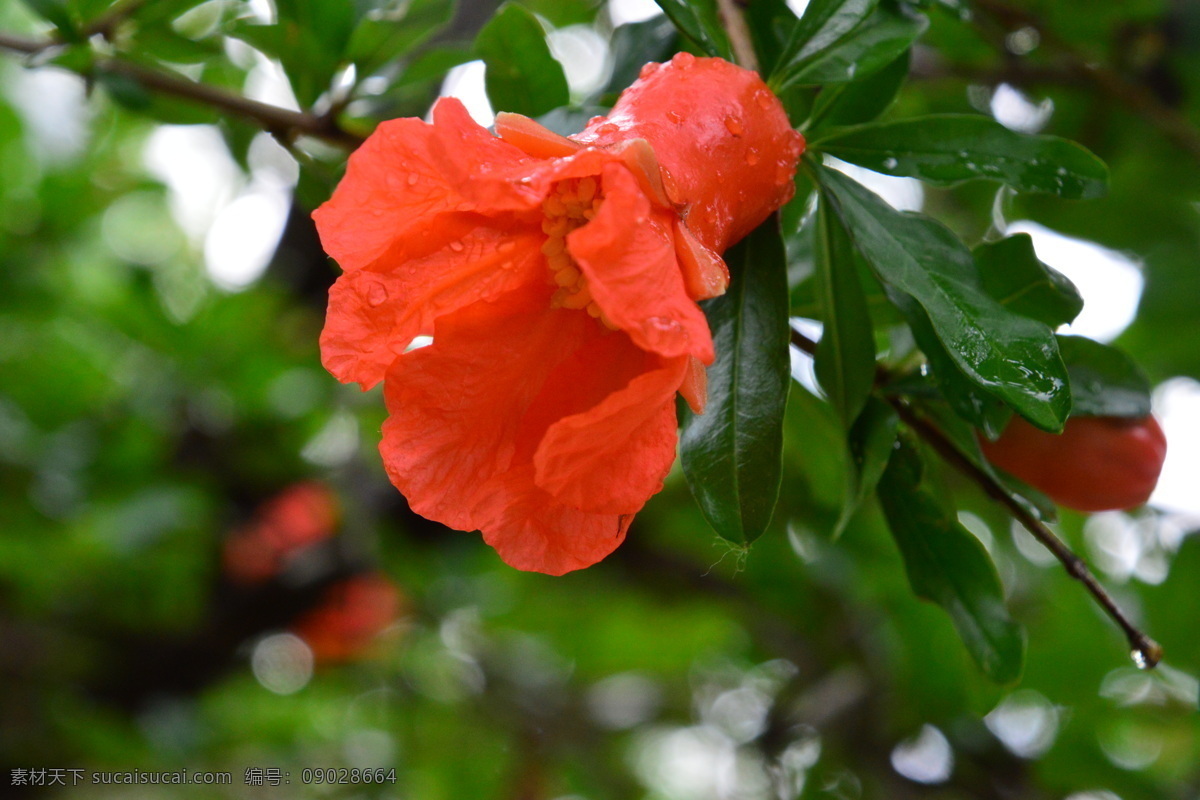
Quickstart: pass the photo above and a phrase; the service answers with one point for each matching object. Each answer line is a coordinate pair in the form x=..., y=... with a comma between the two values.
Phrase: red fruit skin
x=724, y=142
x=1095, y=464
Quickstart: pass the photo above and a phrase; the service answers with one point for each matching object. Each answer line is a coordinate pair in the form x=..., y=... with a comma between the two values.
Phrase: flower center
x=571, y=204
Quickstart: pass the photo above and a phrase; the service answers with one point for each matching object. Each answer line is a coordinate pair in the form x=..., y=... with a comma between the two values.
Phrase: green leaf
x=699, y=21
x=57, y=13
x=949, y=148
x=434, y=63
x=1104, y=381
x=966, y=439
x=871, y=440
x=1009, y=356
x=522, y=76
x=636, y=44
x=870, y=47
x=860, y=101
x=823, y=23
x=947, y=565
x=731, y=453
x=379, y=39
x=1013, y=275
x=969, y=401
x=845, y=357
x=771, y=23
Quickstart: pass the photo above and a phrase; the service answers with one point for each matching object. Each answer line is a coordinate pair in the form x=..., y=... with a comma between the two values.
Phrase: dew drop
x=412, y=179
x=648, y=70
x=607, y=129
x=733, y=125
x=890, y=163
x=377, y=295
x=664, y=324
x=506, y=246
x=1139, y=659
x=684, y=60
x=763, y=98
x=675, y=116
x=752, y=157
x=456, y=246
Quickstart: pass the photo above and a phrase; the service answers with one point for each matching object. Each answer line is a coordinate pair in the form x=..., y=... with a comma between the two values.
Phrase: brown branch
x=739, y=34
x=1146, y=651
x=281, y=122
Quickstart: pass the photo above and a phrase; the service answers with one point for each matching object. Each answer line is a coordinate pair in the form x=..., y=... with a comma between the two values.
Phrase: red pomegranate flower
x=558, y=278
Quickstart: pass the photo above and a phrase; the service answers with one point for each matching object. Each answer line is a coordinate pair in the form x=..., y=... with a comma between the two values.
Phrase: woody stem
x=1148, y=651
x=281, y=122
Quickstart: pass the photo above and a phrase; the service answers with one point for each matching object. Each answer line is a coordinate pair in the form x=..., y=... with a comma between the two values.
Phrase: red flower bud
x=1095, y=464
x=558, y=278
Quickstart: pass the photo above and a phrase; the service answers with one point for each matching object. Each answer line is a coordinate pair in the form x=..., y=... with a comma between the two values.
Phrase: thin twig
x=739, y=34
x=1146, y=651
x=282, y=122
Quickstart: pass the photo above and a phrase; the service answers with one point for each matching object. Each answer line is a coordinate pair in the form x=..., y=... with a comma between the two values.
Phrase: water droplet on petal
x=412, y=179
x=456, y=246
x=675, y=116
x=377, y=294
x=890, y=163
x=733, y=125
x=763, y=98
x=648, y=70
x=752, y=157
x=607, y=128
x=1139, y=659
x=684, y=60
x=506, y=246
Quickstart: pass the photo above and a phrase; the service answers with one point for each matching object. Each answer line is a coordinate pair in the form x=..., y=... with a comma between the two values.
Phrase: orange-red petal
x=456, y=406
x=612, y=457
x=532, y=531
x=375, y=313
x=627, y=254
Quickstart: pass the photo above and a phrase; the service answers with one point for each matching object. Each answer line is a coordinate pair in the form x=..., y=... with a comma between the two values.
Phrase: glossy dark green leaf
x=823, y=23
x=870, y=47
x=860, y=101
x=845, y=357
x=771, y=23
x=870, y=442
x=1104, y=381
x=1009, y=356
x=378, y=40
x=636, y=44
x=949, y=148
x=522, y=75
x=969, y=401
x=699, y=21
x=948, y=566
x=732, y=452
x=1013, y=274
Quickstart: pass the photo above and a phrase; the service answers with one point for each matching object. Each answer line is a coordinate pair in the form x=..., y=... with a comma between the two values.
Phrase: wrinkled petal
x=627, y=254
x=530, y=530
x=456, y=406
x=396, y=190
x=374, y=315
x=614, y=456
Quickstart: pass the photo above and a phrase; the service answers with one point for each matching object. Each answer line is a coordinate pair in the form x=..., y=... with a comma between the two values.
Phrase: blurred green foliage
x=149, y=405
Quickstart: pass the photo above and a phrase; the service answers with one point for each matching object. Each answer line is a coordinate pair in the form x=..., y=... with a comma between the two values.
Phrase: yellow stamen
x=571, y=204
